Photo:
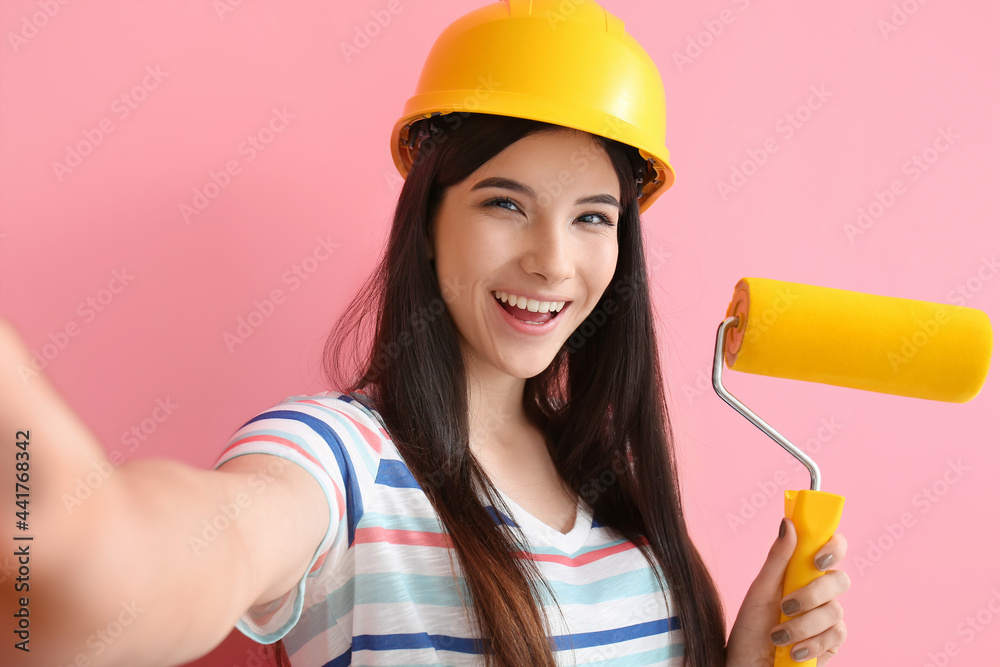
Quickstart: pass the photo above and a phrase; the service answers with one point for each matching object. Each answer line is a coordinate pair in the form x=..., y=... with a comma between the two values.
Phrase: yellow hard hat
x=565, y=62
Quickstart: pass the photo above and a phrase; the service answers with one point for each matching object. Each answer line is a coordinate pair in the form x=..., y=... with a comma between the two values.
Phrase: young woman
x=500, y=363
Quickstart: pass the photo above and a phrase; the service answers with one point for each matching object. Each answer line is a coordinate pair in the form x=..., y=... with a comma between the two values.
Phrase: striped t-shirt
x=381, y=589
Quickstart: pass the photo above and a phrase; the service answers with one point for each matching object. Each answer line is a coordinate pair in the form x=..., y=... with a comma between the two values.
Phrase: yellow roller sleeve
x=861, y=341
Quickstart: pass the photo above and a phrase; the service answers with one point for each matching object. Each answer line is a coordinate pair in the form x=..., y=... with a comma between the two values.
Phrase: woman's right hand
x=817, y=627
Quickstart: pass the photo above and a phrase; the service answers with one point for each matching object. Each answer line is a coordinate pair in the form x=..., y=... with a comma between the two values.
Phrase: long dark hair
x=600, y=405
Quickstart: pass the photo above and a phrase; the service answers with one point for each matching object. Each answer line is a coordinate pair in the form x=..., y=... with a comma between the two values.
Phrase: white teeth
x=531, y=305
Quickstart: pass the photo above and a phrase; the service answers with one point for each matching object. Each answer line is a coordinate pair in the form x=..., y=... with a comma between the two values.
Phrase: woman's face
x=525, y=247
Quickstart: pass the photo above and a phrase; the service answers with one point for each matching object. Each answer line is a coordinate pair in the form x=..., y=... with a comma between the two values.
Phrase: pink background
x=328, y=174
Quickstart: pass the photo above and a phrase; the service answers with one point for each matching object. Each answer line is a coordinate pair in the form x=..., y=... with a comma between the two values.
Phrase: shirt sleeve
x=339, y=442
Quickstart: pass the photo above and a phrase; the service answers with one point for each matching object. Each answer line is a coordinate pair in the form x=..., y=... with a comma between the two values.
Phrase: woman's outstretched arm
x=156, y=564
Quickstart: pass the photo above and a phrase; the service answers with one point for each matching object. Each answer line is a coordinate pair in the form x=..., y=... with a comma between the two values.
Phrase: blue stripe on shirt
x=395, y=474
x=416, y=640
x=355, y=507
x=342, y=660
x=421, y=640
x=615, y=635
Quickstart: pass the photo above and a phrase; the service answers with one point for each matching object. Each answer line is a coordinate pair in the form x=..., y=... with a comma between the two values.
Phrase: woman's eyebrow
x=507, y=183
x=602, y=199
x=516, y=186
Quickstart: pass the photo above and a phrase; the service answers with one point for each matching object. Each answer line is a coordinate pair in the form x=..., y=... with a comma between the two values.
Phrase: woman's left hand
x=818, y=624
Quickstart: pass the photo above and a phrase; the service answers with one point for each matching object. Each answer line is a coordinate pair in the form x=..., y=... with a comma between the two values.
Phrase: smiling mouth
x=529, y=311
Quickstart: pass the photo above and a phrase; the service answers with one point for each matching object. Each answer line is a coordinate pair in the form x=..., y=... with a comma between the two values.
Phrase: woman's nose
x=547, y=251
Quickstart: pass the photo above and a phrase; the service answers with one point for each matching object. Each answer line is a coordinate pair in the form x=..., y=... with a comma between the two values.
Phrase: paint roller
x=848, y=339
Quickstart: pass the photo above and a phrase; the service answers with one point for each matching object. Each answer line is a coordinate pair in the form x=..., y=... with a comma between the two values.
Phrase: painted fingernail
x=781, y=530
x=823, y=562
x=790, y=607
x=800, y=654
x=780, y=637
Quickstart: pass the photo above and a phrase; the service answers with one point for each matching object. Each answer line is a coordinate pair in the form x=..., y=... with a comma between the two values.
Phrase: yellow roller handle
x=816, y=515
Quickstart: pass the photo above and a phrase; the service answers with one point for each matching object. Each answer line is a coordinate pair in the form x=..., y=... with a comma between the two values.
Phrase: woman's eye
x=510, y=205
x=599, y=219
x=501, y=201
